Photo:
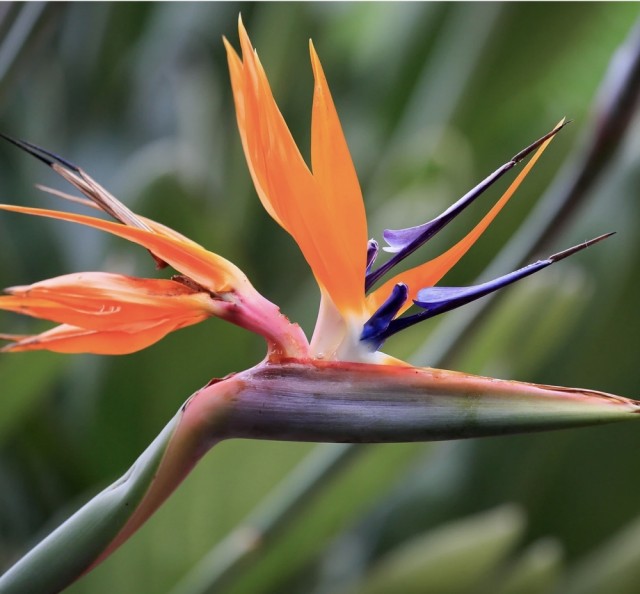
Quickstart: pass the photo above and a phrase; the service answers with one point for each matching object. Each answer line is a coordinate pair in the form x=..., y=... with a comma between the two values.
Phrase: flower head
x=321, y=206
x=332, y=389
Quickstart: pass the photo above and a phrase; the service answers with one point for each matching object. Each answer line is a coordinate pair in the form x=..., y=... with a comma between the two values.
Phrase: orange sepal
x=205, y=268
x=105, y=301
x=429, y=273
x=71, y=339
x=345, y=235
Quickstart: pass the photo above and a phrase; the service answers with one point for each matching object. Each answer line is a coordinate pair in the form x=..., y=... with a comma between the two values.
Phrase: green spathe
x=356, y=402
x=305, y=400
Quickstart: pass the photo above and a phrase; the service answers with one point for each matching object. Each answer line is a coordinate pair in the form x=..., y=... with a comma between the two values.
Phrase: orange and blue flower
x=337, y=387
x=321, y=206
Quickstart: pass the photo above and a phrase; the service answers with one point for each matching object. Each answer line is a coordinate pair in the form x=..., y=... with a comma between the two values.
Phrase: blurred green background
x=432, y=98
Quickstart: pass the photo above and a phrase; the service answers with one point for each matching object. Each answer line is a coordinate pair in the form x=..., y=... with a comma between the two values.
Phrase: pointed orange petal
x=70, y=339
x=279, y=172
x=282, y=179
x=290, y=193
x=206, y=268
x=257, y=170
x=104, y=301
x=344, y=226
x=429, y=273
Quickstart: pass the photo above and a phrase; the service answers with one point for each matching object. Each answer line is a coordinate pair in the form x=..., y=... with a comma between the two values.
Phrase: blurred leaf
x=449, y=560
x=533, y=318
x=614, y=567
x=344, y=500
x=535, y=571
x=25, y=382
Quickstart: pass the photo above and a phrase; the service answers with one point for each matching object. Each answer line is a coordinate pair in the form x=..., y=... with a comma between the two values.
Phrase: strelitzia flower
x=337, y=387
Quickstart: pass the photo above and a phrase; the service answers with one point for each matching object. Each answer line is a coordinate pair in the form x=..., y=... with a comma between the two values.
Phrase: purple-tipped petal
x=412, y=238
x=403, y=242
x=397, y=239
x=379, y=322
x=437, y=300
x=372, y=253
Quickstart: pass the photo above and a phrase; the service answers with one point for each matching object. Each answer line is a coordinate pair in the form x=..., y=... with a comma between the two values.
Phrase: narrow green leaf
x=535, y=571
x=613, y=568
x=448, y=560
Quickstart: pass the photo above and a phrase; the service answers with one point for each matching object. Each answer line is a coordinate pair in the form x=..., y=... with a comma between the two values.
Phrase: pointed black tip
x=577, y=248
x=25, y=147
x=533, y=146
x=47, y=157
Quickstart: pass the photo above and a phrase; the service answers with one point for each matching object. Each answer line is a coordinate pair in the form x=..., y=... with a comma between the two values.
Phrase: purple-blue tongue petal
x=437, y=300
x=398, y=239
x=378, y=323
x=403, y=242
x=413, y=237
x=372, y=253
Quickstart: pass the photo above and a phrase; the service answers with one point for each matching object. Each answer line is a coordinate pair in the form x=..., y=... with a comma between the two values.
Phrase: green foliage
x=613, y=566
x=450, y=560
x=432, y=97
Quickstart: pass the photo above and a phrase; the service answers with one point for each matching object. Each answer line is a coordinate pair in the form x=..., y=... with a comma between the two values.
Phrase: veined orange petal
x=429, y=273
x=105, y=301
x=323, y=211
x=154, y=225
x=206, y=268
x=70, y=339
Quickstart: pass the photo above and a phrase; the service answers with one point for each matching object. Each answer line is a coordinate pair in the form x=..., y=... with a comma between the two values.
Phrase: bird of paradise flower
x=338, y=386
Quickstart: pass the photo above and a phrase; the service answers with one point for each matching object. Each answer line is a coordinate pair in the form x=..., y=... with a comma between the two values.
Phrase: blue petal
x=414, y=237
x=437, y=300
x=403, y=242
x=398, y=239
x=372, y=253
x=377, y=325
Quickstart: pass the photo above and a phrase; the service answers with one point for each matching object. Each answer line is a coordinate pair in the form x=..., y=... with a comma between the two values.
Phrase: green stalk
x=72, y=548
x=302, y=400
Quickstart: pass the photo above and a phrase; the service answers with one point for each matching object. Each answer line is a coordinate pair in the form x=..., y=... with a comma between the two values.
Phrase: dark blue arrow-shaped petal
x=436, y=300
